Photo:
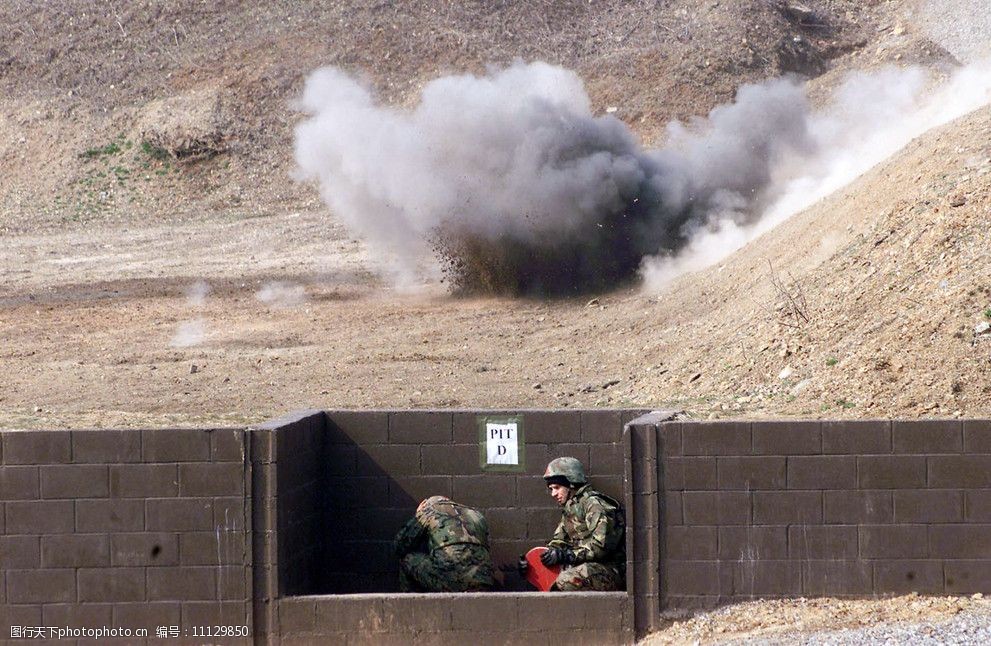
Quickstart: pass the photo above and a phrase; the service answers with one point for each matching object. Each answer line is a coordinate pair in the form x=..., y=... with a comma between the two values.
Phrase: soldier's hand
x=522, y=565
x=557, y=556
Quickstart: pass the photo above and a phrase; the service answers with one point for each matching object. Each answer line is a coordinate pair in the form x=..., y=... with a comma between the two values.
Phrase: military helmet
x=431, y=502
x=569, y=468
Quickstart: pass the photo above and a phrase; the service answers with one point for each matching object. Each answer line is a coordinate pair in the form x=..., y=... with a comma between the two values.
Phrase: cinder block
x=36, y=447
x=110, y=515
x=41, y=586
x=216, y=613
x=75, y=550
x=227, y=444
x=178, y=514
x=74, y=481
x=573, y=450
x=927, y=436
x=787, y=507
x=182, y=583
x=232, y=581
x=978, y=505
x=669, y=437
x=601, y=426
x=858, y=507
x=508, y=523
x=749, y=473
x=536, y=458
x=362, y=492
x=531, y=491
x=421, y=427
x=296, y=616
x=822, y=472
x=977, y=435
x=960, y=541
x=78, y=615
x=686, y=543
x=716, y=438
x=673, y=510
x=767, y=578
x=716, y=507
x=146, y=548
x=378, y=524
x=386, y=459
x=19, y=615
x=832, y=577
x=900, y=576
x=893, y=541
x=229, y=514
x=964, y=471
x=688, y=474
x=891, y=472
x=357, y=427
x=563, y=612
x=113, y=447
x=175, y=445
x=753, y=542
x=144, y=480
x=810, y=542
x=967, y=577
x=347, y=614
x=483, y=612
x=408, y=491
x=928, y=506
x=19, y=552
x=605, y=459
x=787, y=438
x=856, y=437
x=485, y=491
x=19, y=483
x=39, y=517
x=221, y=479
x=450, y=459
x=147, y=614
x=211, y=548
x=552, y=427
x=111, y=584
x=691, y=578
x=540, y=522
x=612, y=486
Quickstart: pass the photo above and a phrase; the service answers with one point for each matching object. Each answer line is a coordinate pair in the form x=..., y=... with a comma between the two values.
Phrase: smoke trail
x=520, y=189
x=281, y=295
x=871, y=116
x=192, y=332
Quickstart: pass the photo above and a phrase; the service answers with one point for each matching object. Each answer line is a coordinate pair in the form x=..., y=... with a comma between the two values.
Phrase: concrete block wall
x=809, y=508
x=133, y=529
x=601, y=618
x=381, y=464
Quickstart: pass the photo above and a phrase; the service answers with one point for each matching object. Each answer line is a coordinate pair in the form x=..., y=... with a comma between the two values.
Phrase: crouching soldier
x=444, y=548
x=590, y=540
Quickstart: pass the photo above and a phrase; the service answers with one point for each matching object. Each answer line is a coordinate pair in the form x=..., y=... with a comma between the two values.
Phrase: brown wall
x=134, y=529
x=850, y=508
x=140, y=529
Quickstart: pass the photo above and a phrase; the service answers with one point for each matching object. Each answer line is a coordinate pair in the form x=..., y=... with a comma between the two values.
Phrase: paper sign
x=502, y=443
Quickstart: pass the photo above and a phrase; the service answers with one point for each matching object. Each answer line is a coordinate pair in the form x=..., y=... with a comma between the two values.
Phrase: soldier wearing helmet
x=444, y=548
x=589, y=542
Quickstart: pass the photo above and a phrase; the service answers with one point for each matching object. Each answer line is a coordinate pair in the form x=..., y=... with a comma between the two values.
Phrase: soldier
x=589, y=542
x=444, y=548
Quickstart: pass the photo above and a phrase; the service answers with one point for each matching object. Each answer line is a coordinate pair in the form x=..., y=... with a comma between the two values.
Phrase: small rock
x=982, y=328
x=695, y=377
x=193, y=369
x=787, y=372
x=592, y=302
x=37, y=409
x=977, y=595
x=958, y=200
x=537, y=386
x=611, y=382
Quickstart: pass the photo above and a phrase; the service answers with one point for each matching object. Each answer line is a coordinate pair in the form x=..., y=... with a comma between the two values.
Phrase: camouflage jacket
x=440, y=525
x=593, y=526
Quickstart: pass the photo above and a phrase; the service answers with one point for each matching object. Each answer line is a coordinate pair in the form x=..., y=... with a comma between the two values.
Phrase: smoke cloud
x=519, y=189
x=871, y=117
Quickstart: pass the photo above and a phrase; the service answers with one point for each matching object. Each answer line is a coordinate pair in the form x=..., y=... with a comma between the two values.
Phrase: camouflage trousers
x=589, y=576
x=455, y=568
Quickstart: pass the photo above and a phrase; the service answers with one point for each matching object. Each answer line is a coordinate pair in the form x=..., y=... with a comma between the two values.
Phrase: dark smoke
x=518, y=189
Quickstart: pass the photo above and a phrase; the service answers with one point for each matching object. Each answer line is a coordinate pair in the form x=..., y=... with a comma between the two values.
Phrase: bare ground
x=139, y=290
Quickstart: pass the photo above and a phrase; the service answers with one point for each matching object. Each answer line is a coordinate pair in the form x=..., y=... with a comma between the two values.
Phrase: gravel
x=968, y=627
x=962, y=27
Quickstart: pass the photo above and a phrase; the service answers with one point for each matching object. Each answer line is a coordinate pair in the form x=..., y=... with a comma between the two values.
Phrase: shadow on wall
x=348, y=482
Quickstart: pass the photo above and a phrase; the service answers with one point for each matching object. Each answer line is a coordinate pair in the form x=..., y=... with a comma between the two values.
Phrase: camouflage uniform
x=593, y=527
x=444, y=548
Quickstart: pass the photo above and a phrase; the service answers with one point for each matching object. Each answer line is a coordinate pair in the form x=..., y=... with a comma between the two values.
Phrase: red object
x=539, y=575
